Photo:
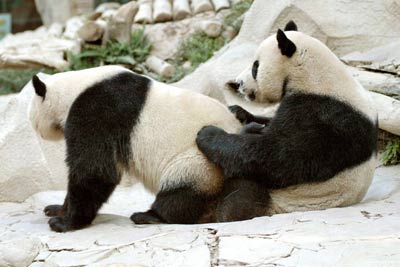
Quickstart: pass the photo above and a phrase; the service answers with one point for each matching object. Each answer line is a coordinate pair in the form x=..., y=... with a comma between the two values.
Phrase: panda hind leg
x=242, y=199
x=86, y=194
x=183, y=205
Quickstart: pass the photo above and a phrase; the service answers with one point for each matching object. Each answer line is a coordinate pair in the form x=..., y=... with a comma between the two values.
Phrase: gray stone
x=366, y=234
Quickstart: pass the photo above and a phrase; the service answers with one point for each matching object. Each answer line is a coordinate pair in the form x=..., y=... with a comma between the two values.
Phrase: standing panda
x=317, y=152
x=116, y=121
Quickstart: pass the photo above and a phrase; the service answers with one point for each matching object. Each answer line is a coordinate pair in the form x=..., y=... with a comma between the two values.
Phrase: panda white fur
x=319, y=150
x=113, y=121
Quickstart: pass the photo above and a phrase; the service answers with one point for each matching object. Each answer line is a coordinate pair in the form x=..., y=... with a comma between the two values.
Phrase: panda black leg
x=57, y=210
x=242, y=200
x=246, y=117
x=85, y=197
x=148, y=217
x=182, y=205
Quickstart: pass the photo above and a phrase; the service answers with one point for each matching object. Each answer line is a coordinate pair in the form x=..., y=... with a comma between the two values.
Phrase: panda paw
x=148, y=217
x=59, y=224
x=53, y=210
x=207, y=133
x=252, y=128
x=241, y=114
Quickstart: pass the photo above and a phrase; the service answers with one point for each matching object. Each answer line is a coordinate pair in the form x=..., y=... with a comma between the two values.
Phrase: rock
x=384, y=58
x=144, y=15
x=199, y=6
x=51, y=13
x=388, y=112
x=220, y=4
x=382, y=83
x=18, y=249
x=211, y=28
x=160, y=66
x=181, y=9
x=92, y=30
x=119, y=25
x=42, y=165
x=162, y=10
x=72, y=27
x=108, y=14
x=366, y=233
x=62, y=11
x=107, y=6
x=40, y=48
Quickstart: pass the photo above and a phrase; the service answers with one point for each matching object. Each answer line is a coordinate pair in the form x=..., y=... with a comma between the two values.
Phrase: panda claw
x=59, y=224
x=148, y=217
x=53, y=210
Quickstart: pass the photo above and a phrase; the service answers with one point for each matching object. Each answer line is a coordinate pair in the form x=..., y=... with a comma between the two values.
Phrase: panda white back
x=163, y=141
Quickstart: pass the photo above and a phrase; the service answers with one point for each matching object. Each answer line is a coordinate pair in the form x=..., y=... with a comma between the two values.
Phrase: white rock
x=51, y=13
x=38, y=48
x=181, y=9
x=386, y=58
x=18, y=250
x=388, y=112
x=220, y=4
x=366, y=233
x=92, y=31
x=162, y=10
x=144, y=15
x=119, y=25
x=29, y=165
x=72, y=27
x=160, y=66
x=107, y=6
x=212, y=28
x=199, y=6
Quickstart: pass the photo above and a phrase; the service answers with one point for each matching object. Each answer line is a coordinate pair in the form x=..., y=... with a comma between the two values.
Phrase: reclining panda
x=317, y=152
x=116, y=121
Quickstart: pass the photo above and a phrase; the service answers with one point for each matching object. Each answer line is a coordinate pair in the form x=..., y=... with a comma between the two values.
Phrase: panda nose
x=252, y=95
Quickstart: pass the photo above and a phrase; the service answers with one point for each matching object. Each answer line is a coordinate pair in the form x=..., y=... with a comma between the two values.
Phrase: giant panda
x=317, y=152
x=115, y=121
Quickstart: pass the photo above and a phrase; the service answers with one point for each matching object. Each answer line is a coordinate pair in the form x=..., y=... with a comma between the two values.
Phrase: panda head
x=44, y=112
x=284, y=60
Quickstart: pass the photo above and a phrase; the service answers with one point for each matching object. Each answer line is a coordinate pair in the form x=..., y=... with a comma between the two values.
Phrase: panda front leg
x=182, y=205
x=86, y=194
x=246, y=117
x=57, y=210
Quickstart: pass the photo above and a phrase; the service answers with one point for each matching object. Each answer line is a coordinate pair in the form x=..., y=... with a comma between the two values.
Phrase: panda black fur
x=116, y=121
x=319, y=150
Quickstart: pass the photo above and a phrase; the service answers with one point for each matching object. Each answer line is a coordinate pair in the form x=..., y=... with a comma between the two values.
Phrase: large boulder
x=28, y=164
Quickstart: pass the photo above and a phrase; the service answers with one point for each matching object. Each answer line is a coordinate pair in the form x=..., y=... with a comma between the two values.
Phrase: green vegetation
x=235, y=18
x=131, y=54
x=391, y=154
x=12, y=81
x=198, y=48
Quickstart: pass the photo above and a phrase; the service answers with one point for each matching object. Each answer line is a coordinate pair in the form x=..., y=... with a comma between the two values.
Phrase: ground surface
x=367, y=234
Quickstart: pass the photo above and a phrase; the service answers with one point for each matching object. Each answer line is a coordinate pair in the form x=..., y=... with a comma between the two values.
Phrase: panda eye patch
x=254, y=70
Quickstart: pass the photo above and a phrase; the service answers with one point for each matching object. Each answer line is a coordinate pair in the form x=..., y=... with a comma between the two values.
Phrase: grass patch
x=197, y=49
x=235, y=18
x=131, y=54
x=12, y=81
x=391, y=154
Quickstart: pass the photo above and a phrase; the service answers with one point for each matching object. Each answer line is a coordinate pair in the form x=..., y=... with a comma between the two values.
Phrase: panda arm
x=235, y=154
x=246, y=117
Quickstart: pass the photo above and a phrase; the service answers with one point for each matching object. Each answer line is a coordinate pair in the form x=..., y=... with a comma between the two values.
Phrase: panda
x=317, y=152
x=115, y=121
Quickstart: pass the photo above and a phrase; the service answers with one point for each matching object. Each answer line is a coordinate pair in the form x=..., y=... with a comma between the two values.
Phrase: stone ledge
x=366, y=234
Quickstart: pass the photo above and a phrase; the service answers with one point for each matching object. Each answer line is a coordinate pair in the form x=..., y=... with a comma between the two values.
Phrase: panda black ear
x=290, y=26
x=286, y=46
x=40, y=87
